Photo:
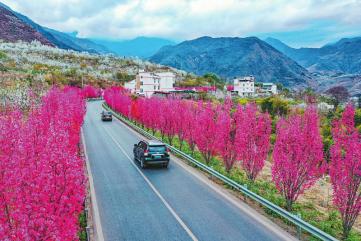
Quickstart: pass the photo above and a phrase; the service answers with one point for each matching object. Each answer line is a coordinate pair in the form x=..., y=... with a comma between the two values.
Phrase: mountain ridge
x=341, y=57
x=240, y=56
x=46, y=35
x=14, y=29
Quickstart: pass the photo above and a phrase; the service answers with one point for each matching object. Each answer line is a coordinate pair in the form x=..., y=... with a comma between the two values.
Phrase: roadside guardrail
x=295, y=219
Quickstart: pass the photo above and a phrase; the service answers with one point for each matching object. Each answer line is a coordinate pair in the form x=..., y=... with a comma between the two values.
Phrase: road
x=160, y=204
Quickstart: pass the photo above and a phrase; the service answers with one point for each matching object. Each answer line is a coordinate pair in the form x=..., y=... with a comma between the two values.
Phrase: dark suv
x=151, y=152
x=106, y=116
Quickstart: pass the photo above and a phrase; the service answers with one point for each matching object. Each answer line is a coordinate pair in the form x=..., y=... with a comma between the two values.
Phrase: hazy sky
x=297, y=22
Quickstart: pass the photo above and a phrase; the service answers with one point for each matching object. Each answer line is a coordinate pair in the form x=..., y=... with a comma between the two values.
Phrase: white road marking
x=97, y=223
x=175, y=215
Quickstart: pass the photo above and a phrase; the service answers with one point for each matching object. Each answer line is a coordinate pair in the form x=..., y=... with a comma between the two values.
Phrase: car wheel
x=165, y=165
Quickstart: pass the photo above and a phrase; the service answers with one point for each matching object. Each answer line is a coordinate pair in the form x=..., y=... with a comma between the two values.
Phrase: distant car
x=106, y=116
x=151, y=152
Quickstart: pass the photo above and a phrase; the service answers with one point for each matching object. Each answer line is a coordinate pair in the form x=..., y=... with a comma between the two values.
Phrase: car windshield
x=107, y=113
x=157, y=148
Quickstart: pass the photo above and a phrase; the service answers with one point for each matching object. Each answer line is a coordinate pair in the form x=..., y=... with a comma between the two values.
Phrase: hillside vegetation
x=25, y=66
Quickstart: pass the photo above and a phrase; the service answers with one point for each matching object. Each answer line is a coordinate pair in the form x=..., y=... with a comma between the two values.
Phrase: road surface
x=160, y=204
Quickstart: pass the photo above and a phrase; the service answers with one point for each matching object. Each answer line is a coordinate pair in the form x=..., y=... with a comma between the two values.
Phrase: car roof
x=154, y=143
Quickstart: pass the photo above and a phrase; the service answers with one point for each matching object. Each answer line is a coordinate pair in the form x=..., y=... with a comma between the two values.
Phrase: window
x=141, y=82
x=141, y=90
x=143, y=145
x=155, y=87
x=157, y=148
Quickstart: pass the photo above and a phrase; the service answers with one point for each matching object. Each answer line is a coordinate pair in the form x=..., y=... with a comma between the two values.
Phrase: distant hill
x=14, y=29
x=342, y=57
x=27, y=30
x=231, y=57
x=15, y=26
x=332, y=65
x=75, y=43
x=142, y=47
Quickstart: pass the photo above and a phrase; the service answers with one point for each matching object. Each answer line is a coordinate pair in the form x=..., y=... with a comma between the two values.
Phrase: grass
x=329, y=222
x=82, y=224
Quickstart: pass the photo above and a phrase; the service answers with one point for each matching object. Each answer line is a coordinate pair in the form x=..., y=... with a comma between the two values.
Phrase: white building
x=146, y=83
x=323, y=106
x=244, y=86
x=267, y=89
x=130, y=86
x=167, y=81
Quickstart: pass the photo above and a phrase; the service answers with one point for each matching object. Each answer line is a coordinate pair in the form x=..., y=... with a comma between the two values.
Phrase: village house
x=244, y=86
x=267, y=89
x=146, y=83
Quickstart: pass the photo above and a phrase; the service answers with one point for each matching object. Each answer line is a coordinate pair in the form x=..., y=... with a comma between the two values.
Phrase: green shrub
x=82, y=223
x=358, y=117
x=3, y=55
x=275, y=106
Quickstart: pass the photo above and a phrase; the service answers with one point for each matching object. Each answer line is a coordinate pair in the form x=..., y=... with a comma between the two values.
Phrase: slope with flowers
x=42, y=183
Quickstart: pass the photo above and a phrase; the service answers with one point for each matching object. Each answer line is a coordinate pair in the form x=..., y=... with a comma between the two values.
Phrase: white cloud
x=184, y=19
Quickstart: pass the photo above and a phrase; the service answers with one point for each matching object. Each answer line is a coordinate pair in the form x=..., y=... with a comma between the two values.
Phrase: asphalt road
x=159, y=204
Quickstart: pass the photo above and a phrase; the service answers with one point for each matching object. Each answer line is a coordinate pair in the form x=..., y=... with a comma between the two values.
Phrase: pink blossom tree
x=345, y=169
x=41, y=174
x=191, y=120
x=180, y=119
x=168, y=116
x=206, y=130
x=252, y=139
x=90, y=91
x=298, y=156
x=118, y=100
x=153, y=114
x=226, y=136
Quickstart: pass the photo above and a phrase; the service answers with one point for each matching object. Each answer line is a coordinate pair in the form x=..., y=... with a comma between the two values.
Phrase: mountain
x=14, y=29
x=142, y=47
x=334, y=64
x=342, y=57
x=279, y=45
x=16, y=26
x=75, y=43
x=231, y=57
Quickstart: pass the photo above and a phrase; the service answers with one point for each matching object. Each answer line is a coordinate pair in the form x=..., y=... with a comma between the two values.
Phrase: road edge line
x=97, y=226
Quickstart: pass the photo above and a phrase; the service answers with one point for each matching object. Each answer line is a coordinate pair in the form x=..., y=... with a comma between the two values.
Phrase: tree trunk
x=180, y=144
x=170, y=139
x=289, y=204
x=162, y=136
x=207, y=157
x=346, y=230
x=192, y=146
